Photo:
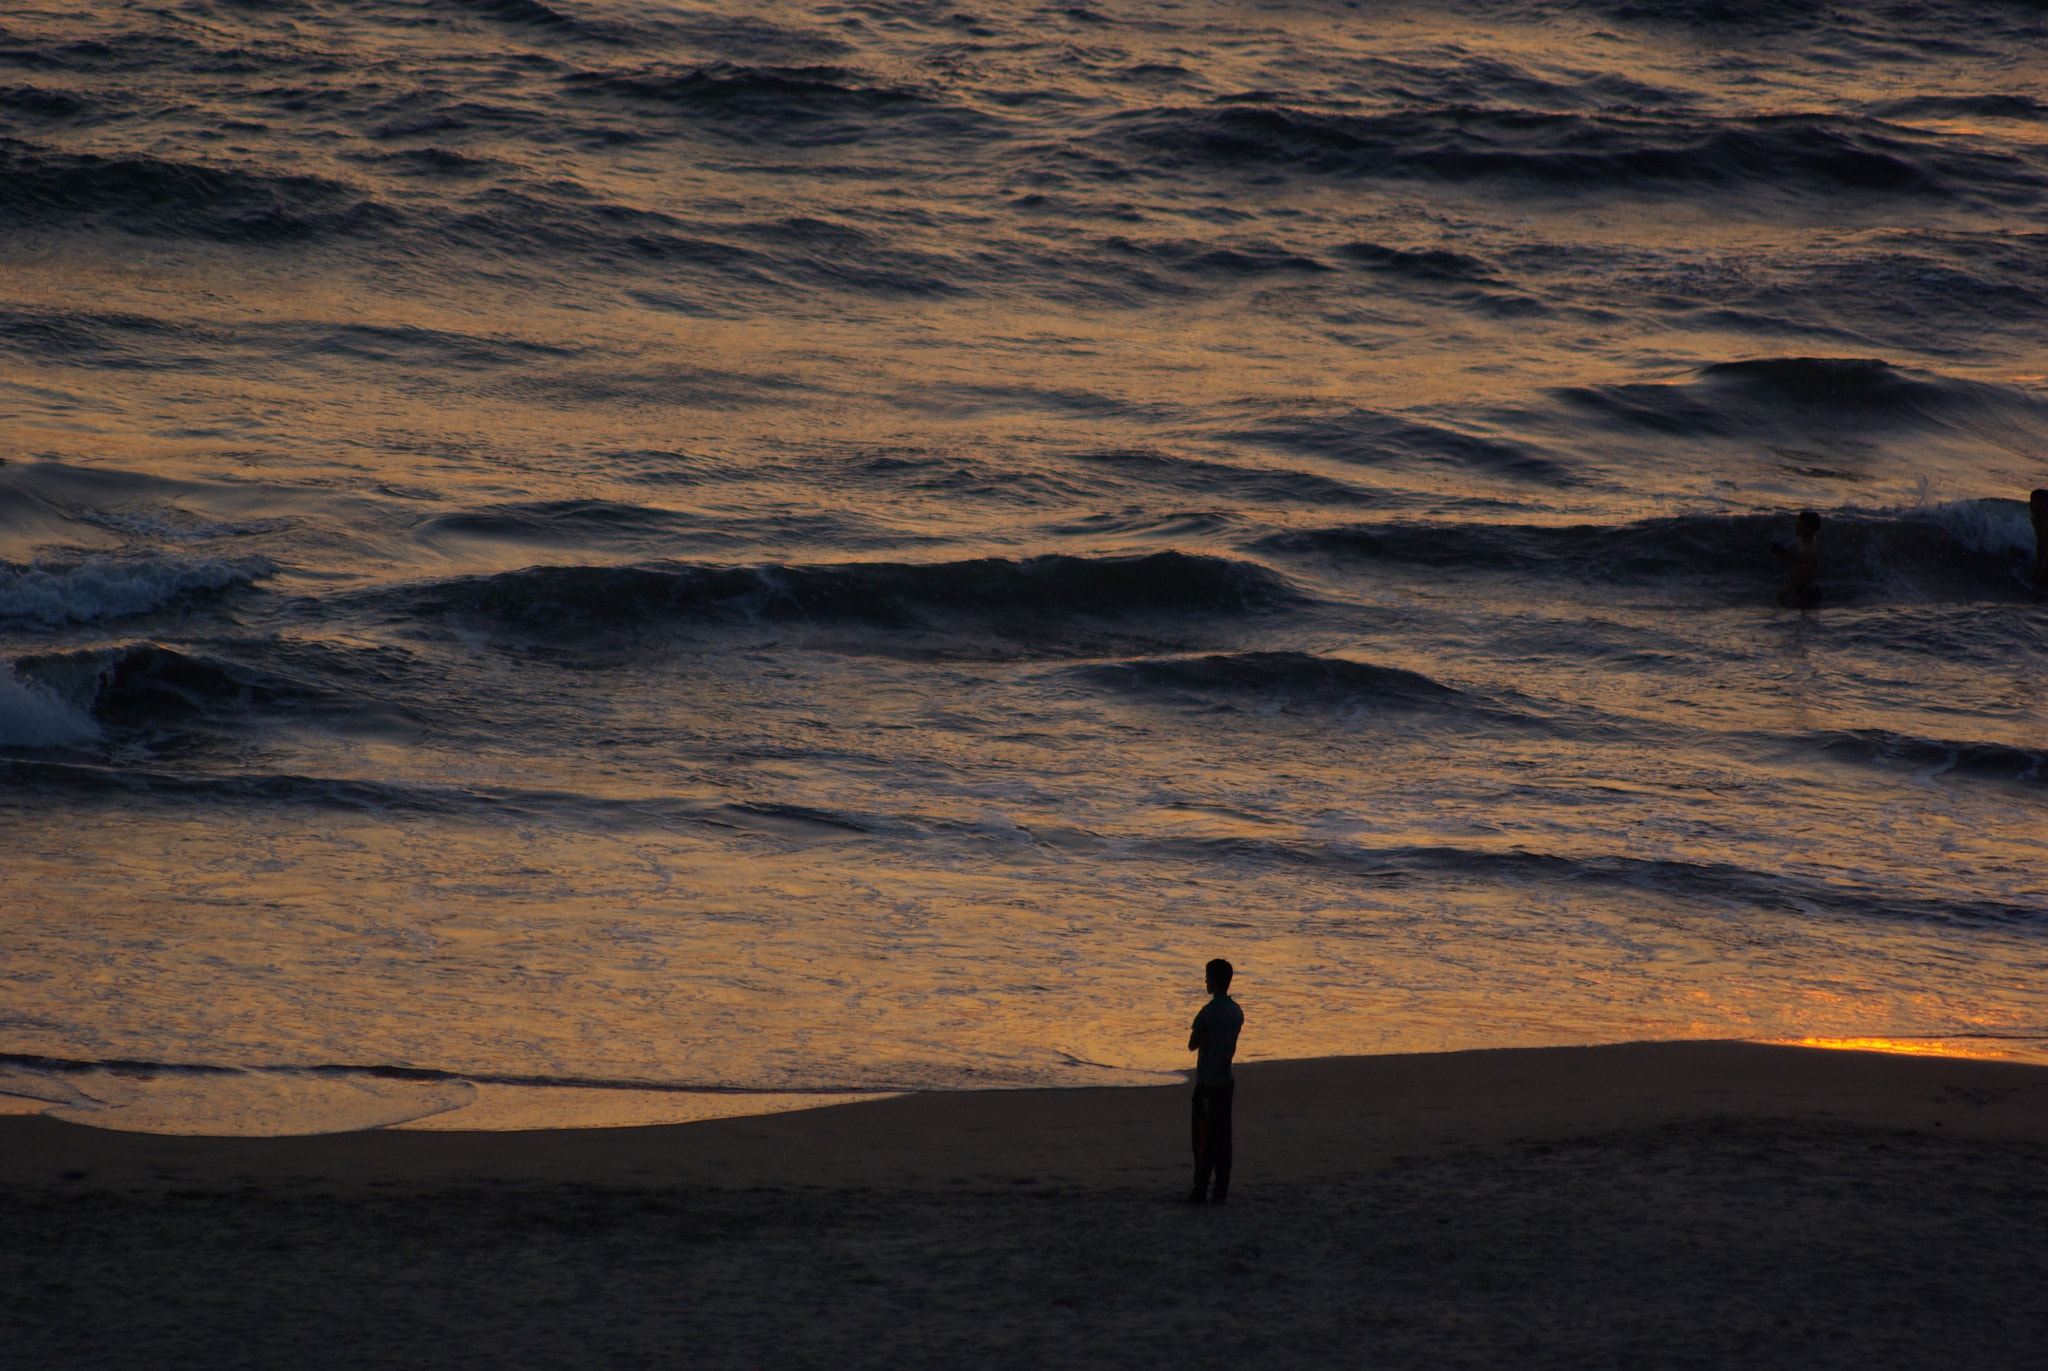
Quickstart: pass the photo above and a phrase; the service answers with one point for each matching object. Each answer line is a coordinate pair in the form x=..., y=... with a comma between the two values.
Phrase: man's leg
x=1219, y=1137
x=1200, y=1122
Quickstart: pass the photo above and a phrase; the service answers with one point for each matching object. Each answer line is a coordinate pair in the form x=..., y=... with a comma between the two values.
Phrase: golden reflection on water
x=1925, y=1047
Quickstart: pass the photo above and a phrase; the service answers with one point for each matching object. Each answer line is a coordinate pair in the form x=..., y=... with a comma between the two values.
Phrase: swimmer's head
x=1809, y=523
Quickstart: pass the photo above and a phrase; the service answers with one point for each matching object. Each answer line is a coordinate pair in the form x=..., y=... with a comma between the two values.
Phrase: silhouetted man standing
x=1214, y=1039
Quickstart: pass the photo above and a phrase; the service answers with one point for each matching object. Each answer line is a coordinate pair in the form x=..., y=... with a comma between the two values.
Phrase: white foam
x=1986, y=527
x=92, y=591
x=33, y=716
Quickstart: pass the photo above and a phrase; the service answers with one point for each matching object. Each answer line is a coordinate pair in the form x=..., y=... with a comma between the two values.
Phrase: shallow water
x=851, y=547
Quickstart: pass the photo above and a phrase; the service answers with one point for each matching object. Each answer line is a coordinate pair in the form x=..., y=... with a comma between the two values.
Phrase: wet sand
x=1693, y=1204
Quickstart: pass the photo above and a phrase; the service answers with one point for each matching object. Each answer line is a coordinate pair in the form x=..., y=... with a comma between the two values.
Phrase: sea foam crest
x=33, y=716
x=88, y=592
x=1987, y=527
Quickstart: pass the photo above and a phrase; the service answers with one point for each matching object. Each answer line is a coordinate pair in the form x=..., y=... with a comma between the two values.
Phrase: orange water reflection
x=1925, y=1047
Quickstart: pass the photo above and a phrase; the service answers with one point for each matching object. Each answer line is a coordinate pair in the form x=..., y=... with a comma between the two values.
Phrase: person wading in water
x=1804, y=592
x=1214, y=1039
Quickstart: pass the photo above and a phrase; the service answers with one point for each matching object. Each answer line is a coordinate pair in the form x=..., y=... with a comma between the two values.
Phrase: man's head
x=1218, y=974
x=1809, y=523
x=2037, y=504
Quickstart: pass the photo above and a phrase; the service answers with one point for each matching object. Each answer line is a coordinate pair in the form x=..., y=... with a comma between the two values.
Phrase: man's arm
x=1200, y=1032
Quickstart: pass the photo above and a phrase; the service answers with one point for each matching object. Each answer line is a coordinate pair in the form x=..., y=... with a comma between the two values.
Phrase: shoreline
x=1299, y=1120
x=178, y=1099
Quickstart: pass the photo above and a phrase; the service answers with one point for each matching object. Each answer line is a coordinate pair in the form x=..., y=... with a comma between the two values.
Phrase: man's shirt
x=1219, y=1024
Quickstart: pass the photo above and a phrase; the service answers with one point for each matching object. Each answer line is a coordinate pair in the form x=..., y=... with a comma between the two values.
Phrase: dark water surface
x=849, y=547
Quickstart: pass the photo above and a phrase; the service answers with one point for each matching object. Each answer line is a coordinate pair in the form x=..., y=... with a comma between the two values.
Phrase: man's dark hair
x=2039, y=498
x=1219, y=973
x=1809, y=522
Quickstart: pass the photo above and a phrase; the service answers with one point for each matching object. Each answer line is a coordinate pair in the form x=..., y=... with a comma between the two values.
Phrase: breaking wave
x=54, y=594
x=140, y=685
x=34, y=716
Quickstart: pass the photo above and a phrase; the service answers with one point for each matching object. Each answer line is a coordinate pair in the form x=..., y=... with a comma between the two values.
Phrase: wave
x=621, y=528
x=44, y=102
x=172, y=525
x=1861, y=385
x=1280, y=485
x=1966, y=549
x=1935, y=758
x=770, y=97
x=133, y=342
x=54, y=594
x=1200, y=258
x=1728, y=399
x=43, y=188
x=1422, y=264
x=1371, y=438
x=529, y=12
x=123, y=342
x=430, y=161
x=1281, y=678
x=31, y=715
x=577, y=599
x=1570, y=152
x=411, y=345
x=140, y=685
x=82, y=782
x=122, y=781
x=557, y=221
x=1990, y=105
x=1718, y=883
x=568, y=521
x=1755, y=16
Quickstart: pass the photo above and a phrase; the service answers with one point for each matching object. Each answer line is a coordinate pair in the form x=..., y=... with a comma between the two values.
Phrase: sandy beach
x=1676, y=1204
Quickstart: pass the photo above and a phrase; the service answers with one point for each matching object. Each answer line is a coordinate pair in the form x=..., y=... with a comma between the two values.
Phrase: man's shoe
x=1195, y=1197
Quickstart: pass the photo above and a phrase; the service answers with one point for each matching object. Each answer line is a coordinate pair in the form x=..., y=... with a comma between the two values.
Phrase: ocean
x=597, y=561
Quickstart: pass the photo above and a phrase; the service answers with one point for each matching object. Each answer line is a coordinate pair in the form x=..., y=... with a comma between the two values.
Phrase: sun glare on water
x=1924, y=1047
